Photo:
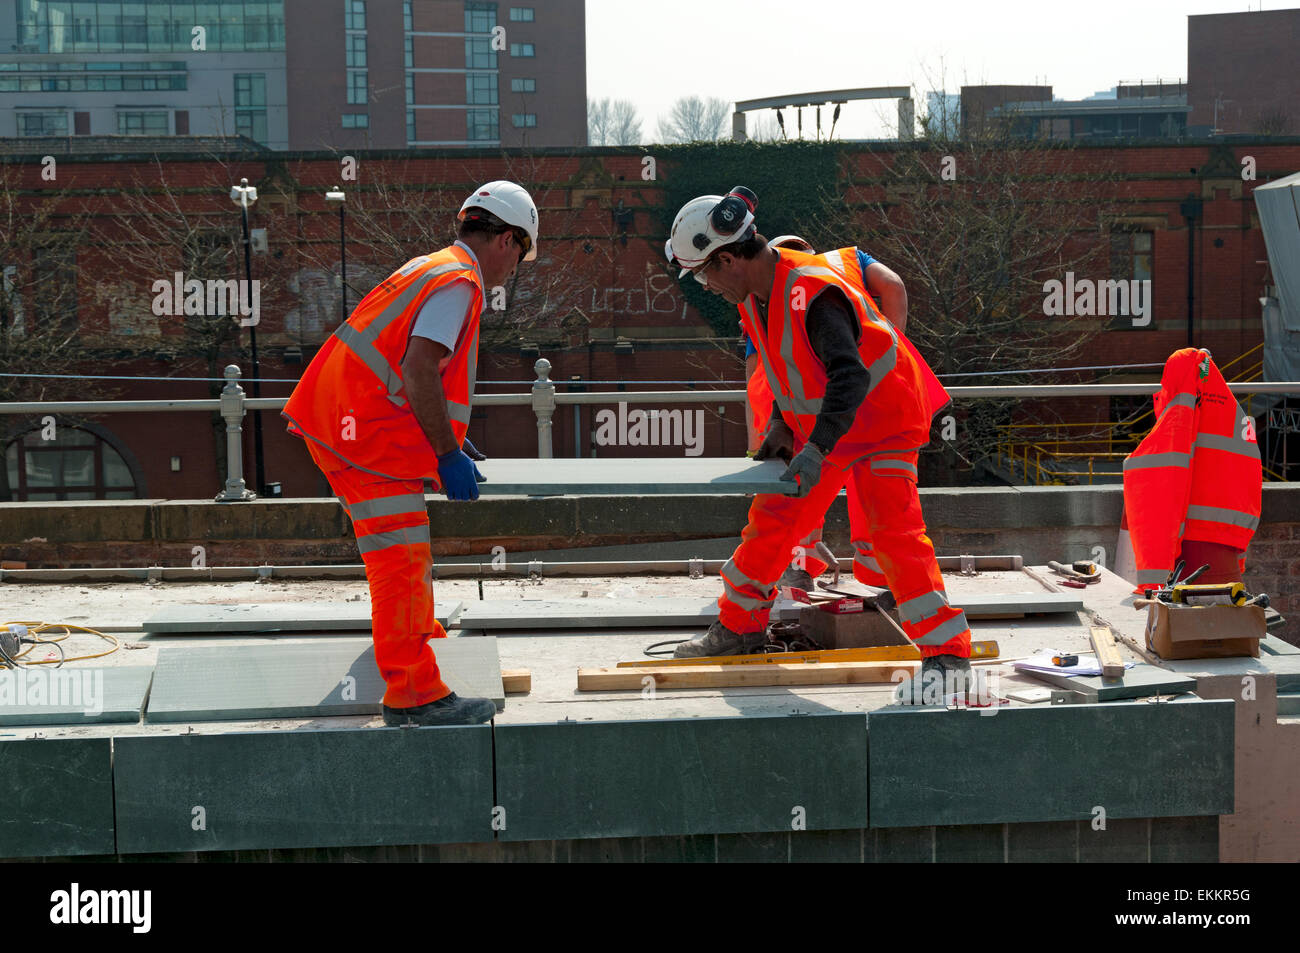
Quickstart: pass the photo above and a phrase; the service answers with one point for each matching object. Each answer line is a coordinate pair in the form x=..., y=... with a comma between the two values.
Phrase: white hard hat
x=705, y=224
x=509, y=202
x=791, y=241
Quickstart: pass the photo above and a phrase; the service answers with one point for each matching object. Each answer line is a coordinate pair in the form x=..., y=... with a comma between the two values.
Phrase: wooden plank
x=1107, y=652
x=875, y=653
x=743, y=676
x=517, y=681
x=638, y=476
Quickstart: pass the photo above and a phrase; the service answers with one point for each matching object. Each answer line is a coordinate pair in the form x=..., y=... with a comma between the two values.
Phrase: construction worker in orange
x=1192, y=488
x=384, y=405
x=852, y=406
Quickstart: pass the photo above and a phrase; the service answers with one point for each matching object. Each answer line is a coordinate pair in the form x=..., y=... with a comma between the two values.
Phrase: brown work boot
x=720, y=640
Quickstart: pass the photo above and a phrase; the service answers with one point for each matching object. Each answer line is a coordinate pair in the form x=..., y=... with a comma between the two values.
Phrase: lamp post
x=245, y=195
x=336, y=195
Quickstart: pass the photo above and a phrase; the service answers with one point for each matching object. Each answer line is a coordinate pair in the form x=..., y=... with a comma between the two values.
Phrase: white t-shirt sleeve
x=443, y=314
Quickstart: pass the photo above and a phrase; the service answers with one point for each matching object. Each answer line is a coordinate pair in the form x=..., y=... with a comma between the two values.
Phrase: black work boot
x=452, y=710
x=794, y=578
x=939, y=677
x=720, y=640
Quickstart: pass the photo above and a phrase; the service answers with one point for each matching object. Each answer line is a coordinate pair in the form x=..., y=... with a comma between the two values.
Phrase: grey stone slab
x=827, y=847
x=298, y=789
x=904, y=845
x=1125, y=841
x=330, y=677
x=977, y=604
x=305, y=617
x=587, y=613
x=1272, y=645
x=1140, y=681
x=1055, y=842
x=1133, y=759
x=57, y=795
x=682, y=776
x=769, y=848
x=656, y=475
x=46, y=695
x=689, y=849
x=1185, y=840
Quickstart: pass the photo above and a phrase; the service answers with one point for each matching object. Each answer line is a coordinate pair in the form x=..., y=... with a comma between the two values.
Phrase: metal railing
x=234, y=404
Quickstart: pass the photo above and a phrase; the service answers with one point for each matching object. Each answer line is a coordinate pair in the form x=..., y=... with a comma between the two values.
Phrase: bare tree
x=975, y=227
x=692, y=119
x=613, y=122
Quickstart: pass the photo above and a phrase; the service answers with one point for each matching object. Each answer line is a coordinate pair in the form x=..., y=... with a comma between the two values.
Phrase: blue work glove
x=458, y=476
x=472, y=451
x=805, y=469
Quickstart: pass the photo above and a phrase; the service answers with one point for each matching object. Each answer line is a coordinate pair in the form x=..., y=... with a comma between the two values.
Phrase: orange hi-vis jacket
x=352, y=399
x=896, y=412
x=1197, y=475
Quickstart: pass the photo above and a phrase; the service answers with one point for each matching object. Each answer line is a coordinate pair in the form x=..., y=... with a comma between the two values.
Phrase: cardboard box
x=854, y=630
x=1188, y=632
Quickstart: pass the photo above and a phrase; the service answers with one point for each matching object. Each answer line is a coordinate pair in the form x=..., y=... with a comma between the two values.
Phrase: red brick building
x=600, y=304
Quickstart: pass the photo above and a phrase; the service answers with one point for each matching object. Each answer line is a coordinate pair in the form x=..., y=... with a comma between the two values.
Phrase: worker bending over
x=852, y=406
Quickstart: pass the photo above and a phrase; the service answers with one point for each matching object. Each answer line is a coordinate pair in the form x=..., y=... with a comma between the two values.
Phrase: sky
x=655, y=51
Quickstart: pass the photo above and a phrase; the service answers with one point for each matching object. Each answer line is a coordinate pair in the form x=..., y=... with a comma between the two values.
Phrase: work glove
x=458, y=476
x=778, y=441
x=805, y=469
x=472, y=451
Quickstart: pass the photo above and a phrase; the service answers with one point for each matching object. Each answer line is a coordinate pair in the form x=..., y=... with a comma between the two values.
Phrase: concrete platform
x=757, y=773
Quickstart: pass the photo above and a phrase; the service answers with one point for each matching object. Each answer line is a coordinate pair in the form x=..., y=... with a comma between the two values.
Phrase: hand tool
x=1088, y=573
x=1065, y=661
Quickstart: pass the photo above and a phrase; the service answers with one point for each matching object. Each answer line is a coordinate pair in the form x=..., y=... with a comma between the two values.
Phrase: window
x=522, y=49
x=182, y=122
x=481, y=124
x=1130, y=255
x=54, y=284
x=356, y=47
x=409, y=52
x=480, y=17
x=1130, y=261
x=43, y=124
x=354, y=14
x=356, y=121
x=521, y=14
x=77, y=464
x=104, y=26
x=406, y=16
x=140, y=123
x=410, y=125
x=479, y=54
x=524, y=120
x=481, y=89
x=357, y=87
x=523, y=86
x=81, y=123
x=250, y=106
x=410, y=89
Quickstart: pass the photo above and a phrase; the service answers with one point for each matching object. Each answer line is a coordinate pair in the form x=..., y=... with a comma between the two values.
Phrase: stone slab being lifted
x=640, y=477
x=304, y=617
x=1140, y=681
x=660, y=612
x=329, y=677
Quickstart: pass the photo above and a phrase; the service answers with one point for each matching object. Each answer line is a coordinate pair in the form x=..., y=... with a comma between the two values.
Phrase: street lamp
x=336, y=195
x=244, y=195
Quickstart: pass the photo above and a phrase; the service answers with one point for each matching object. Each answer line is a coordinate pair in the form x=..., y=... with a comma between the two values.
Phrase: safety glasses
x=699, y=273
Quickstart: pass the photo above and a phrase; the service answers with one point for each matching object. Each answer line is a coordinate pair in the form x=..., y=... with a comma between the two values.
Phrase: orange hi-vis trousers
x=884, y=508
x=866, y=569
x=392, y=527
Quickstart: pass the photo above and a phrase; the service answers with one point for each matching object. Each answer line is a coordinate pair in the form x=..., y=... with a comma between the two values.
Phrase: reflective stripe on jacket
x=896, y=412
x=352, y=399
x=1197, y=475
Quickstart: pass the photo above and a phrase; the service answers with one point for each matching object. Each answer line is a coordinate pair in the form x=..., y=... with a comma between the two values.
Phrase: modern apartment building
x=143, y=69
x=298, y=74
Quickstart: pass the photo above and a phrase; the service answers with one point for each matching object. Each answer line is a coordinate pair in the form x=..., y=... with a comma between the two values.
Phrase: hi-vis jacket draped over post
x=355, y=382
x=1197, y=475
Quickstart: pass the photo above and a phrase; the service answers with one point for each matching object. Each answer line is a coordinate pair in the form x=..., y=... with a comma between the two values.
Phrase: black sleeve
x=833, y=331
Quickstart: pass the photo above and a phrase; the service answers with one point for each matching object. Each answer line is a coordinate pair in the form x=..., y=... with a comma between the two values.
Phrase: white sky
x=654, y=51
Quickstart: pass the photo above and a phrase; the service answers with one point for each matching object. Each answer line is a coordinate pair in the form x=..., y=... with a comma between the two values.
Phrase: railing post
x=232, y=409
x=543, y=406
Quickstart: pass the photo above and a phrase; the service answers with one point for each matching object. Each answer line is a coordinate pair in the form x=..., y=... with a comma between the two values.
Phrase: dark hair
x=481, y=222
x=750, y=248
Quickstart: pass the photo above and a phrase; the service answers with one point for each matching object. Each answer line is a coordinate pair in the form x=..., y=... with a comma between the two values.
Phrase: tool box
x=1209, y=631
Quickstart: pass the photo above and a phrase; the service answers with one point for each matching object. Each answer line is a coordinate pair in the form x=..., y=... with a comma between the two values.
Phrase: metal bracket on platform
x=154, y=574
x=695, y=566
x=968, y=564
x=264, y=573
x=535, y=570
